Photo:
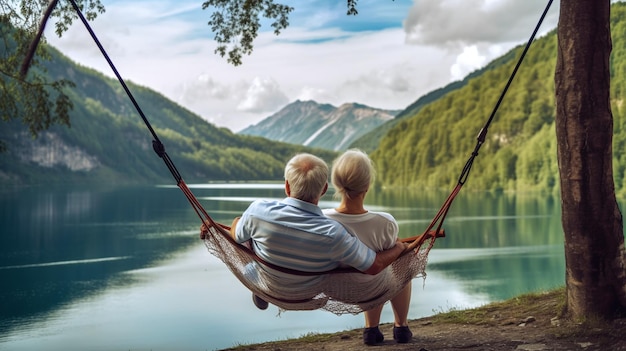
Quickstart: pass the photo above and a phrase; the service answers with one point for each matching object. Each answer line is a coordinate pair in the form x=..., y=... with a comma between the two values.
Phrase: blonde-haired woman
x=352, y=174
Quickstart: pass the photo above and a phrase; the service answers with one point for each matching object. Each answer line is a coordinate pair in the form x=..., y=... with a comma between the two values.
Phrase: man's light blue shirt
x=295, y=234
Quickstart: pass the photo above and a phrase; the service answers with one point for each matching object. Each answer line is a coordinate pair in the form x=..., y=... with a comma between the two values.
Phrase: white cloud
x=459, y=23
x=167, y=46
x=467, y=62
x=263, y=95
x=202, y=89
x=316, y=94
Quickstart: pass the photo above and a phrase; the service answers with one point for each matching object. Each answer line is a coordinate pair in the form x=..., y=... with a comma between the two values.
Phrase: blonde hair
x=352, y=173
x=307, y=176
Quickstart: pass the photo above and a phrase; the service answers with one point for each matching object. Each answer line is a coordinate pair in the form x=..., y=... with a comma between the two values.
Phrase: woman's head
x=352, y=173
x=307, y=176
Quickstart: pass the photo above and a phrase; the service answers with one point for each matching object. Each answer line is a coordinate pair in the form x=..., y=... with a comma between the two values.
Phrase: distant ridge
x=312, y=124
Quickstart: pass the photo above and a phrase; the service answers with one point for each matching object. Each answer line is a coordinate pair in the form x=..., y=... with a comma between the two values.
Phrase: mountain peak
x=320, y=125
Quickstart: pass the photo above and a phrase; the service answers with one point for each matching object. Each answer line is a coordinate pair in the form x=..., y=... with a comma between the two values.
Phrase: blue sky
x=387, y=56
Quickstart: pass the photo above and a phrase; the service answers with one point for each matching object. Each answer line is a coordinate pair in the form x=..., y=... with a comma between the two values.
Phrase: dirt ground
x=527, y=323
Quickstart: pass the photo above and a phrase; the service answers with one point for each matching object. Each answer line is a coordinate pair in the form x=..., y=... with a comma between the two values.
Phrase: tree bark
x=592, y=221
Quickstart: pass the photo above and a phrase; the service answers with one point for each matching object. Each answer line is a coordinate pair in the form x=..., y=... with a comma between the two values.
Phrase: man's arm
x=204, y=231
x=233, y=228
x=386, y=257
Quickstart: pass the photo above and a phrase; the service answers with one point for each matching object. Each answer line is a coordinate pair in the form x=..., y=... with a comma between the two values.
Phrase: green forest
x=430, y=148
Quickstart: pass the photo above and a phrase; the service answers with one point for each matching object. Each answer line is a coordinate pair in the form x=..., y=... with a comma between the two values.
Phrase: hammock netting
x=339, y=291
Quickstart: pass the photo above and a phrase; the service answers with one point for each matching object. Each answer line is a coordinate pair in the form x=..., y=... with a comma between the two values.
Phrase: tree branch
x=33, y=44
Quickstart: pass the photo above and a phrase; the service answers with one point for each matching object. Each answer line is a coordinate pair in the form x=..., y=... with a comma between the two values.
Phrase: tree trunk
x=592, y=222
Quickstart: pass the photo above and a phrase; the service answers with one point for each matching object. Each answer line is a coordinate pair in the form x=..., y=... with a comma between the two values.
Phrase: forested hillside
x=430, y=148
x=109, y=142
x=369, y=141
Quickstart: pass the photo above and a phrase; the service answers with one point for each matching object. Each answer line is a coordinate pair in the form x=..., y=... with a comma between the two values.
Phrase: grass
x=531, y=303
x=540, y=304
x=529, y=317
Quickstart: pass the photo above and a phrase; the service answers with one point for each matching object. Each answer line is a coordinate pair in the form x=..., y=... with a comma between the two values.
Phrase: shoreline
x=526, y=322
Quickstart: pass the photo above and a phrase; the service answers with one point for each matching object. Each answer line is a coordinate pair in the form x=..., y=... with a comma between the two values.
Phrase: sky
x=388, y=56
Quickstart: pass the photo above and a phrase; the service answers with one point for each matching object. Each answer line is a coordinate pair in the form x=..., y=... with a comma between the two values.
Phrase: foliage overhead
x=236, y=24
x=34, y=99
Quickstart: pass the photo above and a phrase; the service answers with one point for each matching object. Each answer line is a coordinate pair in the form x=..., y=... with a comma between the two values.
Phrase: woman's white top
x=378, y=230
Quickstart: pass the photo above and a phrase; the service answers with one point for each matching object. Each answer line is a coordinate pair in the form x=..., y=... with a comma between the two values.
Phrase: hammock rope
x=334, y=290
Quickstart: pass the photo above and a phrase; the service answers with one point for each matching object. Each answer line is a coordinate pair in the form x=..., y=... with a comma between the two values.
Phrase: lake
x=123, y=269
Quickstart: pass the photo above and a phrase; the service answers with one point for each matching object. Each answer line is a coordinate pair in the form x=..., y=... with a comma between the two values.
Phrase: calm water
x=122, y=269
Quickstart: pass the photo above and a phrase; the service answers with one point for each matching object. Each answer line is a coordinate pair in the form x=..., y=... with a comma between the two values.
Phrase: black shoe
x=372, y=336
x=259, y=302
x=402, y=335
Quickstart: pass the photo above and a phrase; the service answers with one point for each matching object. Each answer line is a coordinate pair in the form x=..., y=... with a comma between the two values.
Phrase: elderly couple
x=348, y=235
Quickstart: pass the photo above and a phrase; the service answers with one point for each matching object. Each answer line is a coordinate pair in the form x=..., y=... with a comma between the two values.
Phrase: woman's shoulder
x=385, y=215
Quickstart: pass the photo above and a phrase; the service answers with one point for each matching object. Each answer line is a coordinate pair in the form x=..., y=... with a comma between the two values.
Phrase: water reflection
x=81, y=268
x=480, y=220
x=501, y=273
x=59, y=245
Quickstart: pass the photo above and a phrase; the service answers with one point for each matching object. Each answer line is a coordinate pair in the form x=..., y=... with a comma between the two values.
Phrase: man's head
x=306, y=177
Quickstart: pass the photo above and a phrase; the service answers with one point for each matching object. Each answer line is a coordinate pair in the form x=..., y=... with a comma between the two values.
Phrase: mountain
x=108, y=141
x=351, y=125
x=425, y=146
x=320, y=125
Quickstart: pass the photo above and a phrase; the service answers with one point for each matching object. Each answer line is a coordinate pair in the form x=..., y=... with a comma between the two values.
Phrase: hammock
x=339, y=291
